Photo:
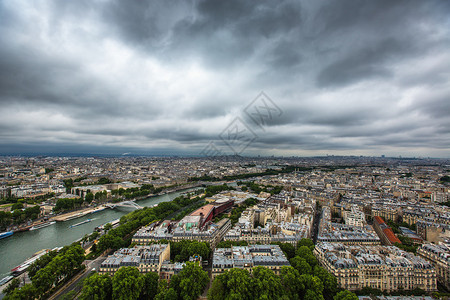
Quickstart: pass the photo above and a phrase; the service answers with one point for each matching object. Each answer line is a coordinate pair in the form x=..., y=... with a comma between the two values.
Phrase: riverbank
x=77, y=214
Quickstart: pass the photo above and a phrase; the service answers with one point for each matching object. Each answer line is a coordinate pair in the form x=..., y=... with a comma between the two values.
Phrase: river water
x=20, y=246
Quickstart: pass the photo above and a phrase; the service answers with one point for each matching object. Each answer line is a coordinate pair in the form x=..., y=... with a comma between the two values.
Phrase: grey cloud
x=362, y=64
x=348, y=75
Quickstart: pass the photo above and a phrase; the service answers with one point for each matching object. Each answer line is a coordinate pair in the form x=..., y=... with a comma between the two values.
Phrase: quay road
x=76, y=283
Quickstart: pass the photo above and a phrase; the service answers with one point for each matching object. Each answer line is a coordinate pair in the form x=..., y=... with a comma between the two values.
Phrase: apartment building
x=439, y=256
x=385, y=268
x=146, y=258
x=248, y=257
x=354, y=217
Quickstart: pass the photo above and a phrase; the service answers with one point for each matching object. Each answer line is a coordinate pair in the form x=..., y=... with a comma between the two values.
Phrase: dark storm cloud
x=218, y=32
x=348, y=75
x=284, y=55
x=363, y=63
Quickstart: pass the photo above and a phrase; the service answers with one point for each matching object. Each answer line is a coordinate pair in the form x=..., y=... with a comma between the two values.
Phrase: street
x=75, y=284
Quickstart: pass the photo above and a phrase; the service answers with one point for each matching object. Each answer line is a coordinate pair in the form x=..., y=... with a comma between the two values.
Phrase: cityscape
x=366, y=226
x=224, y=150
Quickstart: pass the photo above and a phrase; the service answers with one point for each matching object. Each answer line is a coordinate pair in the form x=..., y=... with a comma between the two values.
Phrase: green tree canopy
x=97, y=287
x=234, y=284
x=290, y=280
x=12, y=286
x=190, y=282
x=27, y=292
x=345, y=295
x=165, y=293
x=301, y=265
x=127, y=284
x=265, y=284
x=306, y=242
x=150, y=287
x=329, y=281
x=89, y=197
x=306, y=253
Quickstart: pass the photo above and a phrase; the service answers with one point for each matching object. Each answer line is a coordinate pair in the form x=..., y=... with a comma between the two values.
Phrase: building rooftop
x=344, y=256
x=134, y=256
x=249, y=256
x=204, y=210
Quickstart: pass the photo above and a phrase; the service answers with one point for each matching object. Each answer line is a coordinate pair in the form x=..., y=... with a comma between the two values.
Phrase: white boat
x=81, y=223
x=22, y=267
x=42, y=225
x=6, y=280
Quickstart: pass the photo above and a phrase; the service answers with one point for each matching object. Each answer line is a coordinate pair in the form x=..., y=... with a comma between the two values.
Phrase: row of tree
x=65, y=204
x=48, y=272
x=128, y=284
x=18, y=215
x=131, y=193
x=256, y=188
x=447, y=203
x=182, y=250
x=445, y=179
x=8, y=199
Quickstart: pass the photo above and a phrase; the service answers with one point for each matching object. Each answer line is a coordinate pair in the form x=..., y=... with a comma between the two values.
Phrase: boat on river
x=6, y=280
x=24, y=266
x=81, y=223
x=6, y=234
x=42, y=225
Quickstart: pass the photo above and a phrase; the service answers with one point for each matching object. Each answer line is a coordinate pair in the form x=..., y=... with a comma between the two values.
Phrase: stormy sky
x=347, y=77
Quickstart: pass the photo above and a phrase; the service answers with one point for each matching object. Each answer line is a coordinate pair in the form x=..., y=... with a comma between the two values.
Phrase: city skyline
x=342, y=78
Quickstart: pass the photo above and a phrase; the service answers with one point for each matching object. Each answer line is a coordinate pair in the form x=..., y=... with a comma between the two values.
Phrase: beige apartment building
x=386, y=268
x=439, y=256
x=248, y=257
x=146, y=258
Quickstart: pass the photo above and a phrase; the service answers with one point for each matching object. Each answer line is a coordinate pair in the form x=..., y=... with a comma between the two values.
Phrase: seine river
x=17, y=248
